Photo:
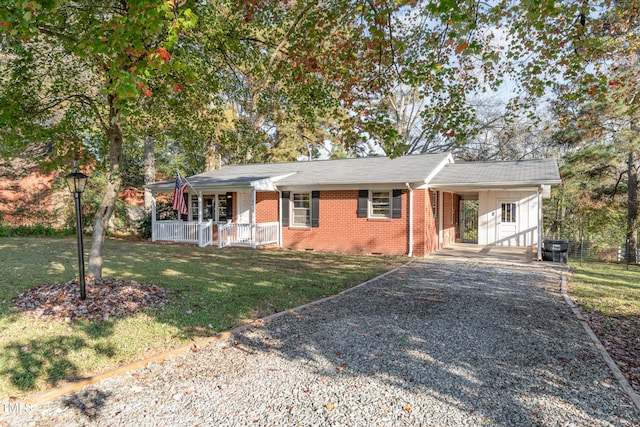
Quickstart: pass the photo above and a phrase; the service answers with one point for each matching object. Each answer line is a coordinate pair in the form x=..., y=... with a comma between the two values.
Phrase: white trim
x=437, y=169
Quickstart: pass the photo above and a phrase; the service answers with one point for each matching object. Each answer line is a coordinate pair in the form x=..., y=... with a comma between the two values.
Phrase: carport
x=509, y=195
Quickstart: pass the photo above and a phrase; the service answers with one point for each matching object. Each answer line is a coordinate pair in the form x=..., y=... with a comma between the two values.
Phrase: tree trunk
x=114, y=181
x=632, y=207
x=149, y=169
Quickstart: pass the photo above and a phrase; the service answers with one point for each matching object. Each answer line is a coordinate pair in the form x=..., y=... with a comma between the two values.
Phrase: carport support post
x=540, y=223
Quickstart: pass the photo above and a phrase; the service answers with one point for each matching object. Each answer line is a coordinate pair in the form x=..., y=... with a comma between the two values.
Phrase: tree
x=598, y=109
x=76, y=71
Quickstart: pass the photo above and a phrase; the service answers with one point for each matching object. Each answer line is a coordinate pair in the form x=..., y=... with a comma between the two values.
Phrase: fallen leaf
x=330, y=406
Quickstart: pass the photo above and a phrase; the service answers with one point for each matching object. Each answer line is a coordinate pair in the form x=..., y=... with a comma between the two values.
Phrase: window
x=222, y=208
x=508, y=212
x=380, y=204
x=214, y=207
x=301, y=209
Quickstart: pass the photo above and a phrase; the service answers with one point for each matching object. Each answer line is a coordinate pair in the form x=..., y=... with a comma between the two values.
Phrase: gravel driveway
x=442, y=343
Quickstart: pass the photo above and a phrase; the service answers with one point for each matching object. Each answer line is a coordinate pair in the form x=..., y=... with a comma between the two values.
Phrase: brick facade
x=341, y=230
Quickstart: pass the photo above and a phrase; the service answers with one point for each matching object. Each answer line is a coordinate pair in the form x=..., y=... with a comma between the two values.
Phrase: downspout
x=440, y=208
x=540, y=223
x=410, y=254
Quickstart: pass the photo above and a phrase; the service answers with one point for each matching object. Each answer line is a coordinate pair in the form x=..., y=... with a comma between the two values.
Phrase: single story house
x=410, y=205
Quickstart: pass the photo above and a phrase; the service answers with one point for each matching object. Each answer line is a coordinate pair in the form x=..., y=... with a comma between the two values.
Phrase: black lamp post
x=76, y=182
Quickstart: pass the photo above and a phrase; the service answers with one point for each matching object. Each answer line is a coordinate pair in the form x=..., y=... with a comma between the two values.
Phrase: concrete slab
x=487, y=253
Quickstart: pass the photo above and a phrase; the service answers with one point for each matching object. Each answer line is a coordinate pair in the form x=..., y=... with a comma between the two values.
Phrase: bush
x=34, y=230
x=164, y=212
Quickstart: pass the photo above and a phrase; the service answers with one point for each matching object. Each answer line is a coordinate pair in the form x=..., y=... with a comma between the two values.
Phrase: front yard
x=209, y=291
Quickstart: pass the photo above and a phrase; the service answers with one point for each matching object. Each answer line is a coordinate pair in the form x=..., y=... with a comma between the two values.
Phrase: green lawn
x=607, y=289
x=211, y=290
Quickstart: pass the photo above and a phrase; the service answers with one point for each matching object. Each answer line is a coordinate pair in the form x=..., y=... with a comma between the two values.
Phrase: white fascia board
x=346, y=187
x=493, y=185
x=437, y=169
x=268, y=184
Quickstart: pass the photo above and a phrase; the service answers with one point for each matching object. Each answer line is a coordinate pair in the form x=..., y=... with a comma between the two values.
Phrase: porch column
x=153, y=216
x=253, y=219
x=199, y=207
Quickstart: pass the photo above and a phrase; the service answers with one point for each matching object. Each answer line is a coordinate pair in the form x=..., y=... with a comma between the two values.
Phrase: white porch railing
x=251, y=235
x=184, y=232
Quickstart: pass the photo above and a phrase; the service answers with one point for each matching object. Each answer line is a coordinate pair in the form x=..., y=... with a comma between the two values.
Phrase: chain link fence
x=589, y=249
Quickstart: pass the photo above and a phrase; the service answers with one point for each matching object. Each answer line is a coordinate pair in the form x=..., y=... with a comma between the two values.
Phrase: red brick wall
x=449, y=218
x=267, y=207
x=425, y=225
x=341, y=230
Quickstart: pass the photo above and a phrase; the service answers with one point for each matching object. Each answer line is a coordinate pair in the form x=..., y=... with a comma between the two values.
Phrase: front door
x=507, y=227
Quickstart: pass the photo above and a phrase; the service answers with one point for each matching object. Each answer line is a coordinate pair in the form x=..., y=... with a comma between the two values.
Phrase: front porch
x=223, y=216
x=206, y=233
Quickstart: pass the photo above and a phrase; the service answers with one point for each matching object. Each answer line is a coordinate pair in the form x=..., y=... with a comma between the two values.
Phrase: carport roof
x=498, y=174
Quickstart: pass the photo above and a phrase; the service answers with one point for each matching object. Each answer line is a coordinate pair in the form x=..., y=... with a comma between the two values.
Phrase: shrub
x=33, y=230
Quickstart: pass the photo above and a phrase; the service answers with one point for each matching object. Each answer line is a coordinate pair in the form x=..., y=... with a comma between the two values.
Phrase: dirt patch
x=620, y=335
x=106, y=299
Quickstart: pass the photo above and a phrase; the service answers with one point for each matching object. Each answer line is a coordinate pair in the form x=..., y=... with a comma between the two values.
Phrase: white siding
x=489, y=213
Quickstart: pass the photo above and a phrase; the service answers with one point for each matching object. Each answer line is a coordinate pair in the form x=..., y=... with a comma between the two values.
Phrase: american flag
x=178, y=203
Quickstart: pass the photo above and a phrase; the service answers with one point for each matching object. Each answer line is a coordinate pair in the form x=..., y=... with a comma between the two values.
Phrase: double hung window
x=301, y=209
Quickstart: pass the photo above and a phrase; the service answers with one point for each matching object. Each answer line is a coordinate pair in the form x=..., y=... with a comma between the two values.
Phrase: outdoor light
x=76, y=182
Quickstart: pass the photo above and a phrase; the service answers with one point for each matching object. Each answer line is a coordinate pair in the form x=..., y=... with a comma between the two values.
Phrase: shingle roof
x=363, y=170
x=540, y=171
x=377, y=170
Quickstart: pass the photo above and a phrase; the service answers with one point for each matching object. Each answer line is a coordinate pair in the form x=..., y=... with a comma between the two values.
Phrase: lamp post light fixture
x=76, y=182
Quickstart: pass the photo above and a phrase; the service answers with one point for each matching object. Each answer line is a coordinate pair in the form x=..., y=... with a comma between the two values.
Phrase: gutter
x=410, y=254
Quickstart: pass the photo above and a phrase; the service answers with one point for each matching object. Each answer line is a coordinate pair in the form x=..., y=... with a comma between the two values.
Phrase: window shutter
x=396, y=204
x=285, y=208
x=315, y=209
x=229, y=207
x=363, y=203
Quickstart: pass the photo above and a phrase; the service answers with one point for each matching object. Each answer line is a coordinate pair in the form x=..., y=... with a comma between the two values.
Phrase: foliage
x=33, y=230
x=597, y=110
x=210, y=291
x=144, y=226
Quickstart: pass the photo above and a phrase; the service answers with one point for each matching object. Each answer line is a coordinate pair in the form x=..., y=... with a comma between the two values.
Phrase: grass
x=210, y=291
x=607, y=289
